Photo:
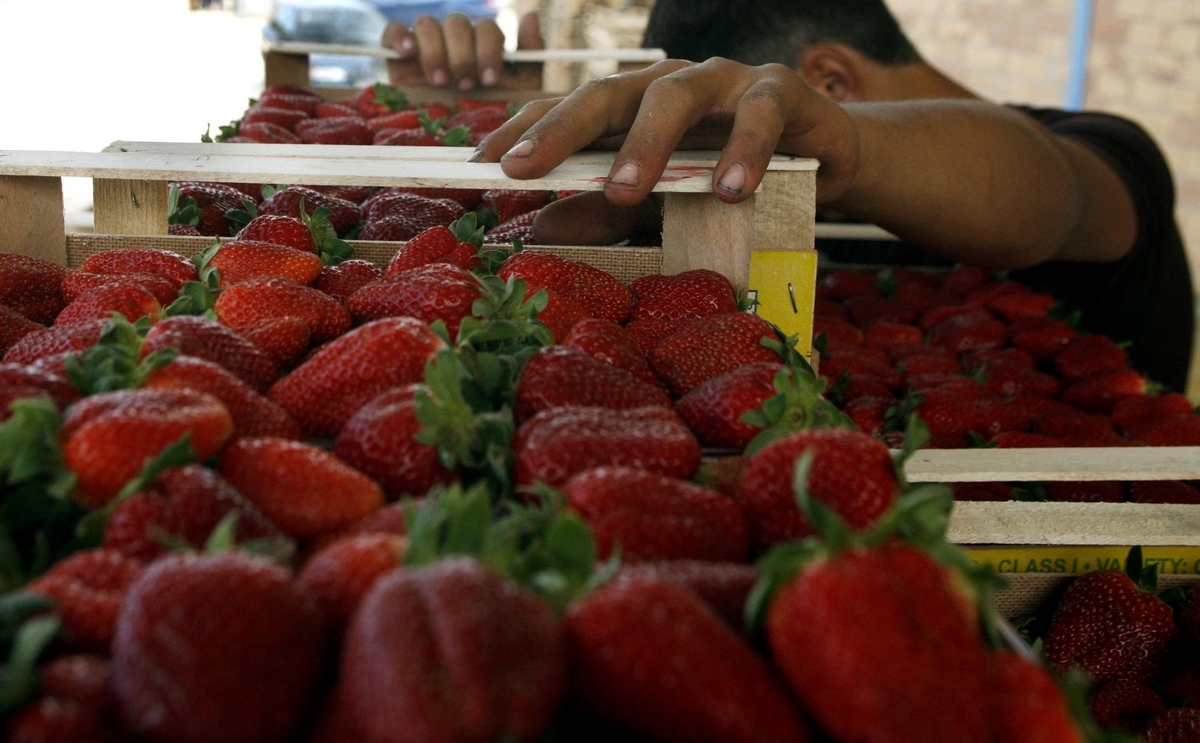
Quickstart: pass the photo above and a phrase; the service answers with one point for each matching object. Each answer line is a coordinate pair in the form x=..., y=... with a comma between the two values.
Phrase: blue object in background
x=348, y=22
x=1081, y=37
x=407, y=11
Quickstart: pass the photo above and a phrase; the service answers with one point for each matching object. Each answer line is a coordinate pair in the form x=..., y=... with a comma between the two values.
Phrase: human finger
x=406, y=69
x=599, y=108
x=431, y=47
x=459, y=35
x=489, y=52
x=763, y=112
x=591, y=219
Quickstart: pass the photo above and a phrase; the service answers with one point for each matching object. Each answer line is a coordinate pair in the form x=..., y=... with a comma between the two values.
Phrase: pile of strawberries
x=986, y=361
x=381, y=115
x=277, y=493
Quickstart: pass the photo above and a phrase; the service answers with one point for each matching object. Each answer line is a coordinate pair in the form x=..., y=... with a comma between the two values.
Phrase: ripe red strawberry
x=1163, y=491
x=434, y=245
x=844, y=284
x=89, y=588
x=340, y=574
x=1100, y=392
x=436, y=291
x=286, y=231
x=266, y=132
x=125, y=297
x=557, y=443
x=851, y=473
x=253, y=415
x=837, y=330
x=1109, y=627
x=855, y=362
x=1169, y=430
x=857, y=631
x=560, y=315
x=301, y=488
x=1125, y=705
x=186, y=503
x=306, y=101
x=519, y=227
x=1088, y=355
x=215, y=201
x=469, y=198
x=50, y=718
x=717, y=345
x=183, y=230
x=1043, y=337
x=108, y=438
x=883, y=335
x=1086, y=491
x=697, y=293
x=1135, y=409
x=968, y=332
x=1017, y=380
x=1174, y=726
x=651, y=659
x=1022, y=440
x=242, y=260
x=398, y=120
x=647, y=334
x=965, y=279
x=422, y=212
x=597, y=291
x=416, y=137
x=77, y=282
x=387, y=520
x=612, y=344
x=267, y=297
x=208, y=339
x=19, y=375
x=330, y=109
x=480, y=121
x=347, y=373
x=870, y=413
x=939, y=314
x=378, y=100
x=349, y=130
x=142, y=260
x=345, y=278
x=284, y=117
x=452, y=652
x=81, y=677
x=283, y=339
x=651, y=517
x=378, y=441
x=31, y=287
x=919, y=364
x=1021, y=306
x=994, y=290
x=561, y=375
x=510, y=203
x=1030, y=706
x=866, y=311
x=434, y=110
x=724, y=586
x=713, y=409
x=1183, y=686
x=259, y=635
x=346, y=214
x=54, y=341
x=13, y=327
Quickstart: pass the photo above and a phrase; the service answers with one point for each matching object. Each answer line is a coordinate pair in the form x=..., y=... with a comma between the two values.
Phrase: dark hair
x=760, y=31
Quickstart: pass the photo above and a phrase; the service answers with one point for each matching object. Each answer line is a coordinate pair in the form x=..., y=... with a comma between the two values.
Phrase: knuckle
x=671, y=86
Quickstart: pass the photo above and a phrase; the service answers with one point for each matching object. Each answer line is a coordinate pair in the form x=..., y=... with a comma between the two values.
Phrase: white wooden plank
x=684, y=158
x=645, y=56
x=838, y=231
x=1026, y=465
x=1091, y=524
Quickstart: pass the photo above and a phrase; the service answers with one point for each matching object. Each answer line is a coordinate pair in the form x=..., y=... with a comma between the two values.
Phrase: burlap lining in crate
x=1031, y=593
x=624, y=263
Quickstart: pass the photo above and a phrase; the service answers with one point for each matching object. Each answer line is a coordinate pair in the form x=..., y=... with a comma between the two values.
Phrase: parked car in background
x=348, y=22
x=407, y=11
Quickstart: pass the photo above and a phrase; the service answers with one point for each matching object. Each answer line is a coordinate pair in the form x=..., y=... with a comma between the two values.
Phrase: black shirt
x=1144, y=299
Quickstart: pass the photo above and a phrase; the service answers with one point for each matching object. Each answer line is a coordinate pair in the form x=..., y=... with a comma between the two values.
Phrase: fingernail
x=734, y=180
x=626, y=175
x=466, y=84
x=407, y=47
x=476, y=156
x=439, y=77
x=524, y=148
x=489, y=76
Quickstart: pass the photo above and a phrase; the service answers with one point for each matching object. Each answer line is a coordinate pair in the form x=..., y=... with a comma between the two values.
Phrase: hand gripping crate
x=287, y=63
x=764, y=244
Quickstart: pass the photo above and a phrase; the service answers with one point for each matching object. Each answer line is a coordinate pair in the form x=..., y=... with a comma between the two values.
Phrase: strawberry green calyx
x=797, y=406
x=115, y=362
x=332, y=249
x=188, y=212
x=431, y=126
x=503, y=320
x=458, y=136
x=224, y=539
x=1143, y=574
x=391, y=97
x=487, y=216
x=225, y=132
x=242, y=217
x=467, y=229
x=29, y=634
x=1077, y=688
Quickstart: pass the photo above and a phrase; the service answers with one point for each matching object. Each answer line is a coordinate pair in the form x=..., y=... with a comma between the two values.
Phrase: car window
x=328, y=25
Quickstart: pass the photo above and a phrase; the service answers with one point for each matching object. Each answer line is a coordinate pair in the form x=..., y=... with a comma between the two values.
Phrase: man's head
x=789, y=32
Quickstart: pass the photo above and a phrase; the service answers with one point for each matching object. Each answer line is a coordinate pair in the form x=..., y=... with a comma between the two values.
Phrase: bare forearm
x=982, y=184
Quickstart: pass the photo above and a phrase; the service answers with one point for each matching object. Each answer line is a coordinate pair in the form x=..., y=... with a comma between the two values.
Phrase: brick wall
x=1144, y=64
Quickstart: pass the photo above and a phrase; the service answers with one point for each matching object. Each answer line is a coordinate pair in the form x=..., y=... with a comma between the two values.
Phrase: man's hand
x=749, y=112
x=457, y=53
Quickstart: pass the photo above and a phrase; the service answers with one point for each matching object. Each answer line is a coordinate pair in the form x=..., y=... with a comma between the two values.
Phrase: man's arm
x=969, y=180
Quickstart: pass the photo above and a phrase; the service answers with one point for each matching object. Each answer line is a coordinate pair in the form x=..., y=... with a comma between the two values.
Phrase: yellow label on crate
x=1170, y=560
x=784, y=282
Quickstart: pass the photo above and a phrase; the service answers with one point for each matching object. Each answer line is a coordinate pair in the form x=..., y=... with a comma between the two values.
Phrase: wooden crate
x=287, y=63
x=765, y=243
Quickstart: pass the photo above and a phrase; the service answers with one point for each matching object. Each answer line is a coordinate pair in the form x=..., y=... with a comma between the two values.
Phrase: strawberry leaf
x=332, y=249
x=115, y=362
x=19, y=680
x=467, y=230
x=391, y=97
x=796, y=406
x=456, y=137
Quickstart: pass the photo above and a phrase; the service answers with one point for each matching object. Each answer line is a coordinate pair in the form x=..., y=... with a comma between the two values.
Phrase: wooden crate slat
x=1028, y=465
x=1083, y=524
x=645, y=56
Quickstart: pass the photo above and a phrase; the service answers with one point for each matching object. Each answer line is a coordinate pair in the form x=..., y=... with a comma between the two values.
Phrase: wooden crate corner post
x=285, y=68
x=130, y=207
x=31, y=217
